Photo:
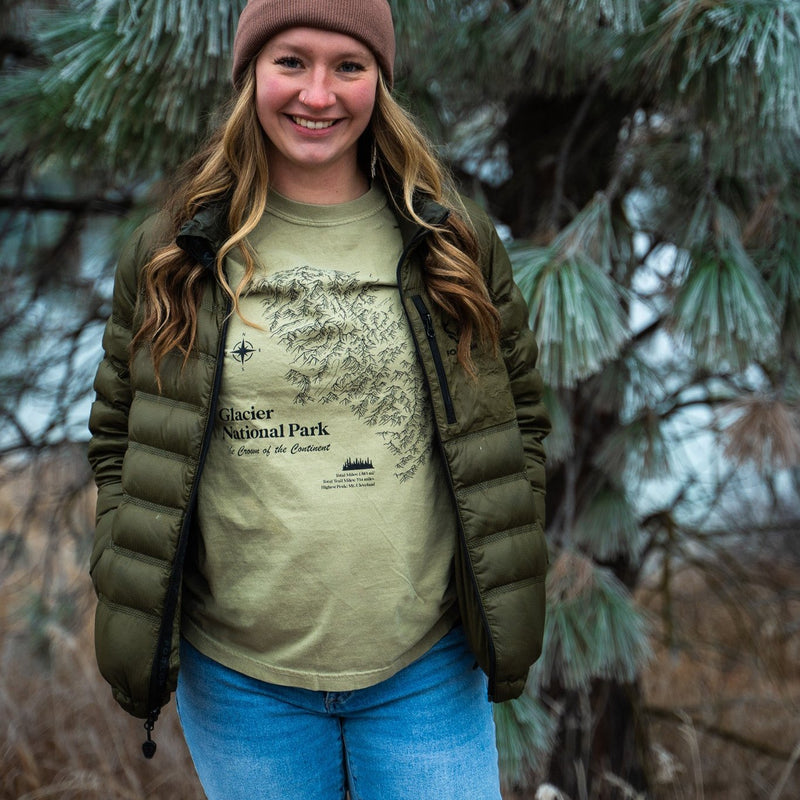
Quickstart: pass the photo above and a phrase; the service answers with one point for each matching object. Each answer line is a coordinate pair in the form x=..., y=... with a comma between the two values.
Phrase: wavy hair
x=233, y=165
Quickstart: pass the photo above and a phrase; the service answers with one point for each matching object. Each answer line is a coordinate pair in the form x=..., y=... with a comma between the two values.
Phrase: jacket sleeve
x=519, y=350
x=108, y=421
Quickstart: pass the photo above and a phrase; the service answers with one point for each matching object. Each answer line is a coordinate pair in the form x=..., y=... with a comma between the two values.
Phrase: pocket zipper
x=427, y=321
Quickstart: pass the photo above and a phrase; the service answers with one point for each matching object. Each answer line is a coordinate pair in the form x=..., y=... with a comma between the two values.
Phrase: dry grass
x=725, y=693
x=62, y=735
x=64, y=738
x=724, y=697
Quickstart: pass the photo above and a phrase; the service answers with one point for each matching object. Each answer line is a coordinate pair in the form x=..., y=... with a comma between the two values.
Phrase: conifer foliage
x=642, y=157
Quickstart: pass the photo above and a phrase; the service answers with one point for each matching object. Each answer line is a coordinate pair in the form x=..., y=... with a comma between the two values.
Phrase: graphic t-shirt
x=327, y=530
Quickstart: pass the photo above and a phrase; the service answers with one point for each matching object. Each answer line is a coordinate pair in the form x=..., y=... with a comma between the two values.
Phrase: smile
x=312, y=124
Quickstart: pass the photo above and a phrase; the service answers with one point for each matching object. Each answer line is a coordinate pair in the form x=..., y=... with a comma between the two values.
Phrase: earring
x=373, y=160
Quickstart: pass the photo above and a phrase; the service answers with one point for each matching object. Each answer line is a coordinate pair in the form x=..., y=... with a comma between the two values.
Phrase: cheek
x=362, y=101
x=271, y=96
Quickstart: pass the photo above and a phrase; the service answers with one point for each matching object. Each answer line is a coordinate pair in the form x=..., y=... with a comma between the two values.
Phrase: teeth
x=314, y=126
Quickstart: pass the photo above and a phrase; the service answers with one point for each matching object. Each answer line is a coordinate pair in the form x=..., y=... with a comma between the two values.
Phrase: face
x=315, y=91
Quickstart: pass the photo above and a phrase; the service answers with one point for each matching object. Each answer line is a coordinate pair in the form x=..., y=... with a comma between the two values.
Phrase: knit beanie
x=369, y=21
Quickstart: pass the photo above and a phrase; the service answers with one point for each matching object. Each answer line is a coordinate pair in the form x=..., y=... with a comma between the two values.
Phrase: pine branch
x=71, y=205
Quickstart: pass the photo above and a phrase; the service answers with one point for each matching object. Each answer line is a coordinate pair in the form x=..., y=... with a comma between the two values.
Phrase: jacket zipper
x=160, y=671
x=430, y=334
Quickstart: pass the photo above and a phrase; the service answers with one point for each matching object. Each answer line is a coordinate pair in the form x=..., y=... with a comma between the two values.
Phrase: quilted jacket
x=148, y=448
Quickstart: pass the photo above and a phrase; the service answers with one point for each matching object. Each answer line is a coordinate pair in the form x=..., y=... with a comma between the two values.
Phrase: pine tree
x=643, y=159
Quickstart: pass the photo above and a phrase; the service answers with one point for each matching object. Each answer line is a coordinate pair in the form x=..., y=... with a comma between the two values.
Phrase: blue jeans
x=427, y=733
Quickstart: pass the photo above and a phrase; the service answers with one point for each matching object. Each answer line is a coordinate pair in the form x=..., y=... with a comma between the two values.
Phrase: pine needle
x=593, y=628
x=766, y=433
x=576, y=306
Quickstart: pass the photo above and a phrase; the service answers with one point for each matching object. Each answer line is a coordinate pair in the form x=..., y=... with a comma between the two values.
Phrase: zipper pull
x=149, y=746
x=429, y=325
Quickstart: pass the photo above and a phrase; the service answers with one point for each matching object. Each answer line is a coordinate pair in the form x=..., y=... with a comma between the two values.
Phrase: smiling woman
x=315, y=93
x=318, y=442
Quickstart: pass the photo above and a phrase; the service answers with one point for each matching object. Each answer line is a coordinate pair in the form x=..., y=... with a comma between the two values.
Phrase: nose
x=317, y=93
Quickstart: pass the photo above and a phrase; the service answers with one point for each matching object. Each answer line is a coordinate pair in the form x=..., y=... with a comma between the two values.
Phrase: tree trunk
x=602, y=749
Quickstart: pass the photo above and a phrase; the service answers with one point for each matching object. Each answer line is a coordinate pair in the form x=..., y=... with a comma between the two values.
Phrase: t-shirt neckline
x=371, y=202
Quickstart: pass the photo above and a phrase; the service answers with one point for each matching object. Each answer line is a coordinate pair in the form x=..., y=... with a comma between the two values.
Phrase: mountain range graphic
x=352, y=348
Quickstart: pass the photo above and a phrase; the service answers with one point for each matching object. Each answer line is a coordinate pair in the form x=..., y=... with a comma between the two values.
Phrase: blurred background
x=642, y=161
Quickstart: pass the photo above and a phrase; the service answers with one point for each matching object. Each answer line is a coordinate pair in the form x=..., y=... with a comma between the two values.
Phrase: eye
x=351, y=67
x=290, y=62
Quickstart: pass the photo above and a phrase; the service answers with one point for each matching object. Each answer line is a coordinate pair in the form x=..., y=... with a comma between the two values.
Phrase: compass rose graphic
x=243, y=351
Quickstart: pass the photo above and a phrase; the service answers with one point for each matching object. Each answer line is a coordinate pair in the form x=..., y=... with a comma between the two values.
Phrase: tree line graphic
x=357, y=463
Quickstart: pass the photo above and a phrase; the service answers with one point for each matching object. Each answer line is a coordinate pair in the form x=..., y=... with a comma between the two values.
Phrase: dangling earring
x=373, y=160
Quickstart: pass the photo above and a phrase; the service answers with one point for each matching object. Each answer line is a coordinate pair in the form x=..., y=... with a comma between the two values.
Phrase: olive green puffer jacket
x=148, y=449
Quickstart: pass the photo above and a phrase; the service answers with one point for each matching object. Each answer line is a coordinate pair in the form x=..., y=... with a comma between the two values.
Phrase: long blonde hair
x=233, y=165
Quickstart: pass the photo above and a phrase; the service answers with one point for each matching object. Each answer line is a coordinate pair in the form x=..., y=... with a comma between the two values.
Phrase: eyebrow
x=303, y=50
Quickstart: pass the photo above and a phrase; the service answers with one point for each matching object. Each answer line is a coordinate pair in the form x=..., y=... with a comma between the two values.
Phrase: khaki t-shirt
x=326, y=526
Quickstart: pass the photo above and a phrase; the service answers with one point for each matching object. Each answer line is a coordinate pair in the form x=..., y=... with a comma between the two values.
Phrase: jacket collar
x=428, y=211
x=203, y=235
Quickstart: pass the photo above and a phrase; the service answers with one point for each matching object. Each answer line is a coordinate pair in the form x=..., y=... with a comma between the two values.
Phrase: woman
x=318, y=442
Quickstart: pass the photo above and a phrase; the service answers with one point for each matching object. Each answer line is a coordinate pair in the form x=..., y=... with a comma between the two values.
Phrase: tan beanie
x=369, y=21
